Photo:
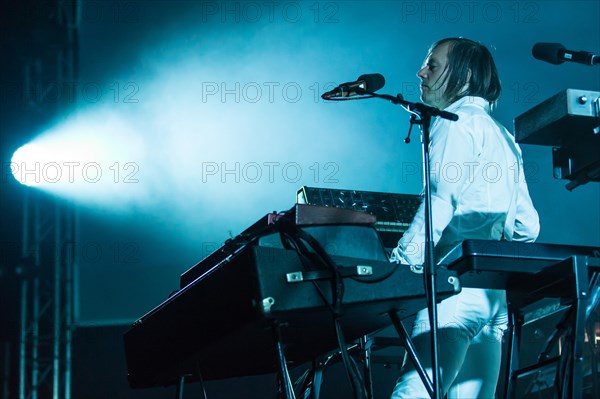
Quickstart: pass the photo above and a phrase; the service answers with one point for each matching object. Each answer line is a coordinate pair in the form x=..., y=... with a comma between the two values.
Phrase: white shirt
x=478, y=187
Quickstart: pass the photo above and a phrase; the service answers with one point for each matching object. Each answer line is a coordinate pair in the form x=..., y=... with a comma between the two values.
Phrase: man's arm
x=527, y=221
x=451, y=144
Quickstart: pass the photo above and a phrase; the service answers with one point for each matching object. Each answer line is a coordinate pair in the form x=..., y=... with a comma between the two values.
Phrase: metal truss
x=48, y=224
x=47, y=305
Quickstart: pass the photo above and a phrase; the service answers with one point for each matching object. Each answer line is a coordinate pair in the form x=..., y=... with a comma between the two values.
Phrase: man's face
x=433, y=77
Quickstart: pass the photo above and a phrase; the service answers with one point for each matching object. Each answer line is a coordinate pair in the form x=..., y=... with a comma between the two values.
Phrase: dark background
x=144, y=75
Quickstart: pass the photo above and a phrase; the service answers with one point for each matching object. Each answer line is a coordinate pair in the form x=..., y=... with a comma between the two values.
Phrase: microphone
x=369, y=82
x=555, y=53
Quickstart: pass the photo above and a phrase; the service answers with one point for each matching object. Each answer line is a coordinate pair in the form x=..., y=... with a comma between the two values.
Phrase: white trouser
x=471, y=325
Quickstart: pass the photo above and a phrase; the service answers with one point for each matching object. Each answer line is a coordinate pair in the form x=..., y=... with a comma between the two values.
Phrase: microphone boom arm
x=418, y=108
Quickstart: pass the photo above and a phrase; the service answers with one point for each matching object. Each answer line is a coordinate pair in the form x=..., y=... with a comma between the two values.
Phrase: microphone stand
x=425, y=113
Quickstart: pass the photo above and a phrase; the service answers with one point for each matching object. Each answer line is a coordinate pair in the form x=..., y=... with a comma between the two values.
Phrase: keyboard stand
x=568, y=280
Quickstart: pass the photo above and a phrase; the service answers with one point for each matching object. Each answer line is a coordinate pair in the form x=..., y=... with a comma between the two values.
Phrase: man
x=478, y=192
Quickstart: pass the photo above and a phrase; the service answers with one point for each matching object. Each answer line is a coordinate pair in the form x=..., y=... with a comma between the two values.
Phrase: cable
x=320, y=257
x=350, y=98
x=296, y=237
x=356, y=382
x=293, y=244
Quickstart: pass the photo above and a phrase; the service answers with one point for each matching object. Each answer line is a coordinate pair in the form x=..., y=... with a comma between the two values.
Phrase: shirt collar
x=477, y=101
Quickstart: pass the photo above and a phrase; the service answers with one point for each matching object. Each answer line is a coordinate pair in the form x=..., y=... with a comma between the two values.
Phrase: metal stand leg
x=411, y=352
x=317, y=381
x=312, y=384
x=512, y=361
x=286, y=389
x=594, y=362
x=179, y=390
x=581, y=287
x=365, y=349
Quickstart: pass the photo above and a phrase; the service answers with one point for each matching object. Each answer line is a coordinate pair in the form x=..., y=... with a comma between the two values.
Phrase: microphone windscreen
x=373, y=81
x=548, y=52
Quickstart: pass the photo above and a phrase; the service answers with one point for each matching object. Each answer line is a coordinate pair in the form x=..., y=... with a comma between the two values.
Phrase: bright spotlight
x=27, y=162
x=56, y=163
x=94, y=158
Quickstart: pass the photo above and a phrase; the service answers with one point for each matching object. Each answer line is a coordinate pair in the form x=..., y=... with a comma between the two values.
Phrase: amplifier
x=568, y=114
x=570, y=122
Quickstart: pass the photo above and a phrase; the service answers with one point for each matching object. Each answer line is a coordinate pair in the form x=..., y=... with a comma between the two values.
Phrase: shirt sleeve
x=452, y=146
x=527, y=222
